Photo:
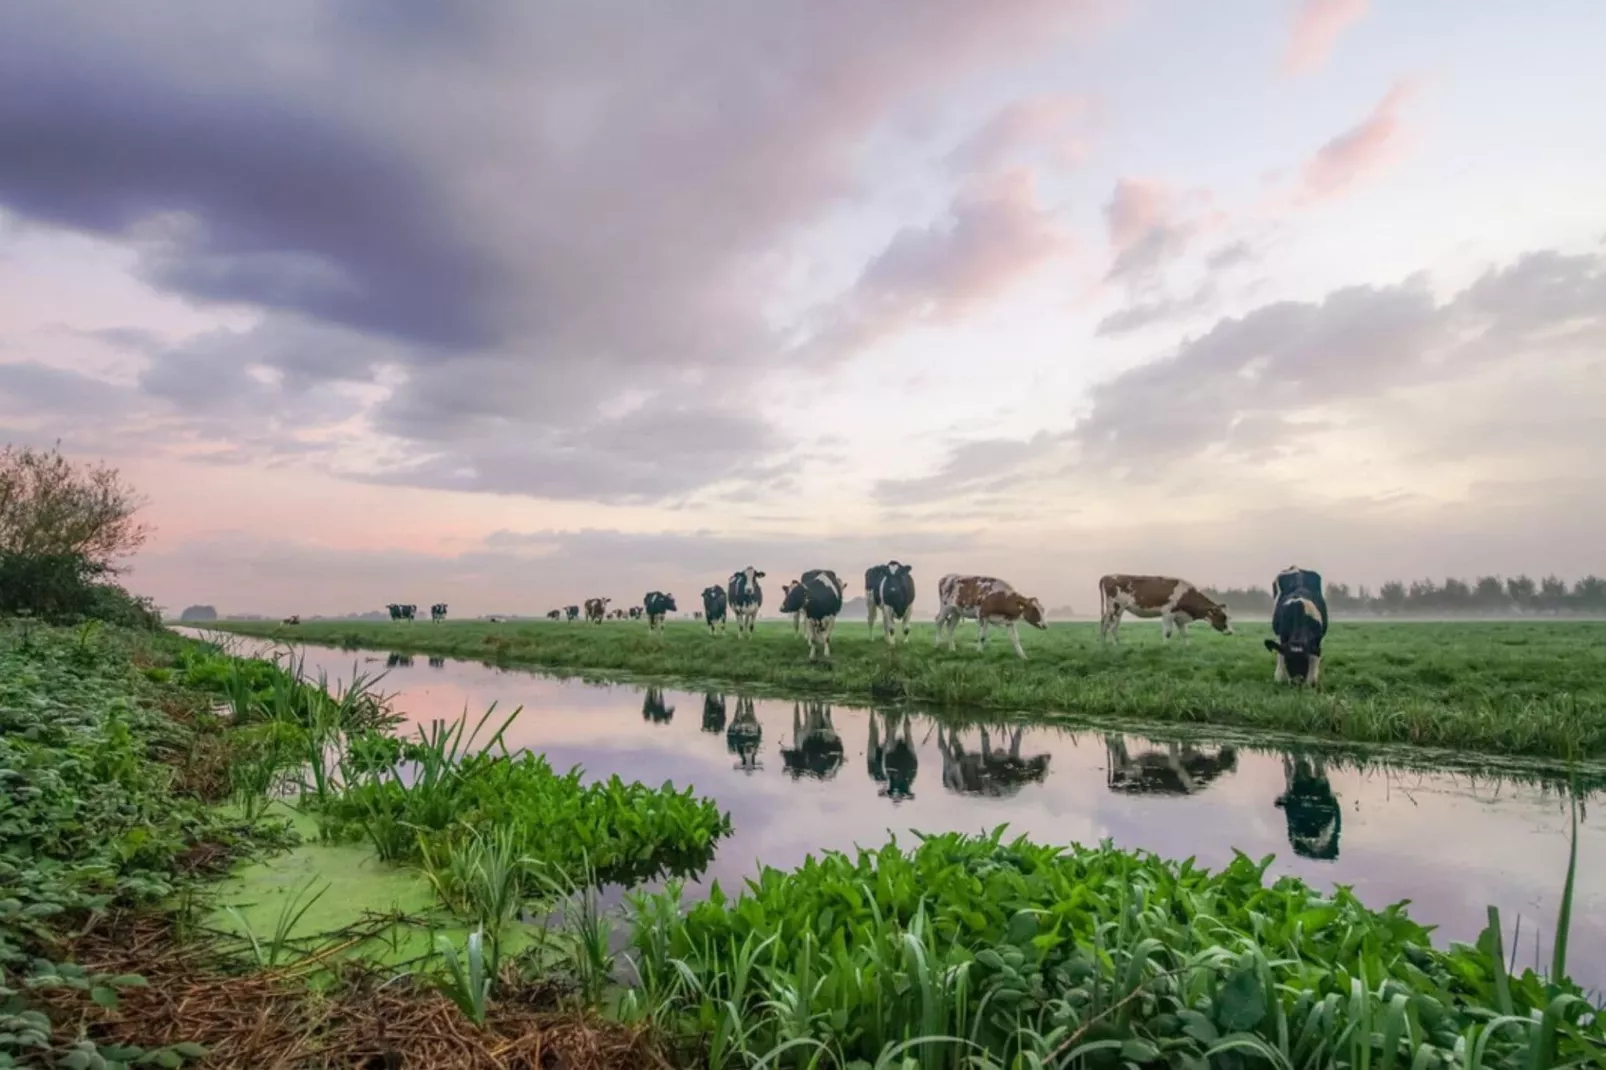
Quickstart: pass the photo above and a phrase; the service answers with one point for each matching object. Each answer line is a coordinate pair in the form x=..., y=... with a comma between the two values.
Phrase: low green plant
x=468, y=979
x=994, y=954
x=290, y=914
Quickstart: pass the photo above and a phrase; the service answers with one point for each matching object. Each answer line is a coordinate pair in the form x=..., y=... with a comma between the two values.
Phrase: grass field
x=1530, y=689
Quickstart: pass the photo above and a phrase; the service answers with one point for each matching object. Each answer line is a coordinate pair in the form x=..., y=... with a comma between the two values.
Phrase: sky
x=509, y=305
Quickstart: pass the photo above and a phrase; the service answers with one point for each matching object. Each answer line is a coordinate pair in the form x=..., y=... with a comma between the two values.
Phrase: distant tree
x=1490, y=594
x=1552, y=595
x=1455, y=596
x=1422, y=596
x=1392, y=596
x=198, y=613
x=1589, y=595
x=1341, y=600
x=51, y=507
x=1521, y=591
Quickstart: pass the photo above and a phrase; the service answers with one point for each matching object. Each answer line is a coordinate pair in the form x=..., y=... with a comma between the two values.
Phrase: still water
x=801, y=777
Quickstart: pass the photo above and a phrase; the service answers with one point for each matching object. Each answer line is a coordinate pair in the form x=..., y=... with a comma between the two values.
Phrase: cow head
x=666, y=604
x=1299, y=642
x=1217, y=616
x=895, y=569
x=793, y=597
x=1031, y=611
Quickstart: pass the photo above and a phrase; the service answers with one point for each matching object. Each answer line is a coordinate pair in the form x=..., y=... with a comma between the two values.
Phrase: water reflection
x=1178, y=769
x=713, y=712
x=398, y=661
x=437, y=663
x=1451, y=840
x=816, y=749
x=996, y=774
x=890, y=756
x=744, y=735
x=654, y=709
x=1310, y=808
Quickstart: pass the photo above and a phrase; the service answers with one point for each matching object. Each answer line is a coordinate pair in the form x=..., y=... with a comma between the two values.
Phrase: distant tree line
x=1485, y=596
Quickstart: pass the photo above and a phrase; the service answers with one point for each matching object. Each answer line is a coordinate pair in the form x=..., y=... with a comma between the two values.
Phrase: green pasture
x=1532, y=689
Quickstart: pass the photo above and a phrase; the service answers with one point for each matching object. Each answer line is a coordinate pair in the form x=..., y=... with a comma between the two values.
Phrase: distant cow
x=891, y=589
x=635, y=613
x=571, y=612
x=986, y=600
x=1176, y=602
x=745, y=596
x=401, y=612
x=1299, y=617
x=816, y=599
x=792, y=605
x=658, y=606
x=294, y=618
x=595, y=608
x=556, y=614
x=437, y=612
x=714, y=603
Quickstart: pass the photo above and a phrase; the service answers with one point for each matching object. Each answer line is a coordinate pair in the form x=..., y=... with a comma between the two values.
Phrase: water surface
x=800, y=777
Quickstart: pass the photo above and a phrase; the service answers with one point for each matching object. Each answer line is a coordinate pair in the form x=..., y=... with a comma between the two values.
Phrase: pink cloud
x=1360, y=151
x=1049, y=124
x=1316, y=30
x=1150, y=224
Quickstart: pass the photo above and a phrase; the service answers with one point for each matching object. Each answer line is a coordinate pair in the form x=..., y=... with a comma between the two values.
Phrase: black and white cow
x=596, y=608
x=1299, y=617
x=816, y=751
x=792, y=605
x=743, y=736
x=571, y=612
x=714, y=603
x=745, y=597
x=556, y=614
x=437, y=612
x=401, y=612
x=817, y=599
x=658, y=606
x=891, y=589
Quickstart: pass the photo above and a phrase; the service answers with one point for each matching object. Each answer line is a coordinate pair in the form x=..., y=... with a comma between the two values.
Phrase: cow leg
x=830, y=626
x=871, y=603
x=1113, y=623
x=1014, y=637
x=1315, y=670
x=906, y=615
x=1281, y=675
x=981, y=632
x=1182, y=628
x=886, y=626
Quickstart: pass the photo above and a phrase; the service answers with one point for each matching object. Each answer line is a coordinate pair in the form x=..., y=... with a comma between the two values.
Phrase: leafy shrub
x=984, y=953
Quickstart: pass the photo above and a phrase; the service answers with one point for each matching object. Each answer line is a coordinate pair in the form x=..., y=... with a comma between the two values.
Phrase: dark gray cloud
x=522, y=212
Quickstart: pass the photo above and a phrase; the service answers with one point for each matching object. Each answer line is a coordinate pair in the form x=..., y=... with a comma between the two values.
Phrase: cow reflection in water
x=994, y=773
x=1308, y=804
x=890, y=756
x=653, y=708
x=399, y=661
x=1180, y=769
x=816, y=749
x=437, y=663
x=744, y=735
x=713, y=712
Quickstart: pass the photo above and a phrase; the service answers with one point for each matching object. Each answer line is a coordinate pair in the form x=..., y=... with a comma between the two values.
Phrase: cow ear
x=758, y=574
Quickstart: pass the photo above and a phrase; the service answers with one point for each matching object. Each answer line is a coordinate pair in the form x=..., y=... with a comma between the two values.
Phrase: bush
x=66, y=589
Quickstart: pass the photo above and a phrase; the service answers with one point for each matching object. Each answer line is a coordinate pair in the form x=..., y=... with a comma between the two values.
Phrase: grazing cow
x=395, y=610
x=1181, y=769
x=1299, y=617
x=571, y=612
x=990, y=773
x=635, y=612
x=401, y=612
x=816, y=599
x=988, y=601
x=713, y=712
x=595, y=607
x=697, y=614
x=816, y=749
x=556, y=614
x=659, y=605
x=653, y=708
x=744, y=735
x=437, y=612
x=1312, y=812
x=1176, y=602
x=714, y=608
x=294, y=618
x=891, y=589
x=744, y=597
x=891, y=757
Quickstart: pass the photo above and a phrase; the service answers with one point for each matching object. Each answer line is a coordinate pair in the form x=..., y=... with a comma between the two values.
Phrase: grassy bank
x=1529, y=689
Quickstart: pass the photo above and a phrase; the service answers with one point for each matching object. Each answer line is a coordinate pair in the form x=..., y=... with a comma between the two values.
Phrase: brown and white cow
x=595, y=608
x=1176, y=602
x=986, y=600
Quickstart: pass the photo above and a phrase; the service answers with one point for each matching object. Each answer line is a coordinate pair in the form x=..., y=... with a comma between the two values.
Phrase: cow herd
x=814, y=600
